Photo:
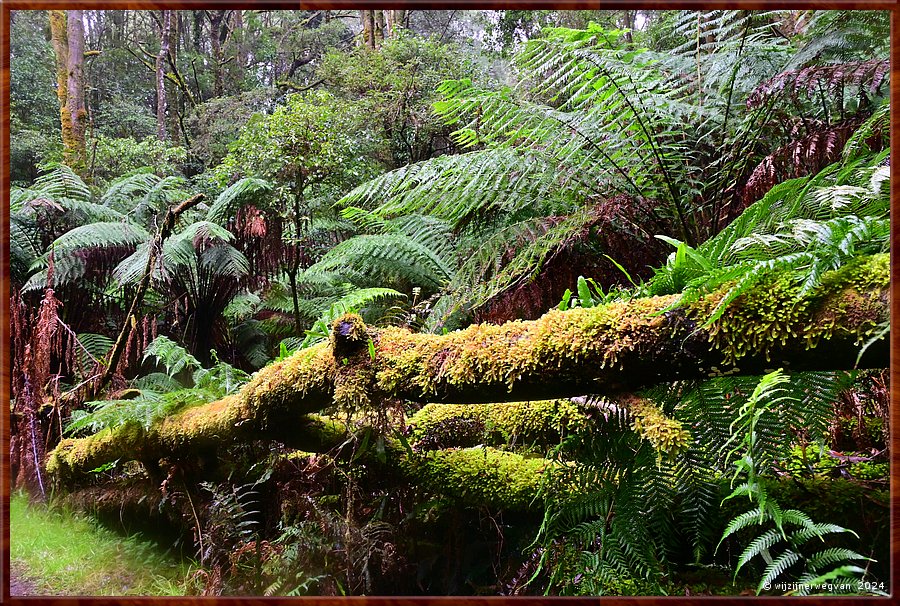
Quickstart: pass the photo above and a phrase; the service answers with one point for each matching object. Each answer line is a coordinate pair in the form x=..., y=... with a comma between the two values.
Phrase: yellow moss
x=488, y=354
x=523, y=422
x=848, y=302
x=217, y=420
x=667, y=435
x=78, y=456
x=482, y=476
x=290, y=380
x=348, y=329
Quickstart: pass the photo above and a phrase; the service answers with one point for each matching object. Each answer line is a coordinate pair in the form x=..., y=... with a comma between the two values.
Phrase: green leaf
x=584, y=293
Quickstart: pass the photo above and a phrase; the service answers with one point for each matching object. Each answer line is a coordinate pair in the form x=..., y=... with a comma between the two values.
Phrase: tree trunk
x=67, y=36
x=241, y=43
x=398, y=20
x=216, y=21
x=75, y=89
x=59, y=38
x=164, y=41
x=379, y=27
x=367, y=20
x=610, y=349
x=197, y=20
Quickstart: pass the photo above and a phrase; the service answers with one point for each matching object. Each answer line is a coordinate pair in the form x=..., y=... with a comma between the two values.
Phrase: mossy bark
x=612, y=349
x=507, y=423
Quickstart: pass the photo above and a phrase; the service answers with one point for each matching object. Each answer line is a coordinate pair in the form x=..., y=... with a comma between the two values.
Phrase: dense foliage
x=262, y=200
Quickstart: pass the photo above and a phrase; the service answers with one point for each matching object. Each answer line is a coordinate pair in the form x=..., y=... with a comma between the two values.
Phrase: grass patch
x=65, y=553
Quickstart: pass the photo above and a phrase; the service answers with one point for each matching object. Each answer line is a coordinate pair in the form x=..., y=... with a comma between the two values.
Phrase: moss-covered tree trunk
x=161, y=101
x=610, y=349
x=67, y=36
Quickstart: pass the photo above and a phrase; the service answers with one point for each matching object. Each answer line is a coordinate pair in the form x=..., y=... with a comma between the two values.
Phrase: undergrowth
x=64, y=553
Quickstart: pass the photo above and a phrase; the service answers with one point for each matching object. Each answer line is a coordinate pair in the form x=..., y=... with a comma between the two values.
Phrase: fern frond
x=834, y=555
x=171, y=355
x=93, y=348
x=247, y=191
x=817, y=530
x=99, y=235
x=123, y=193
x=60, y=182
x=787, y=559
x=388, y=258
x=863, y=74
x=759, y=545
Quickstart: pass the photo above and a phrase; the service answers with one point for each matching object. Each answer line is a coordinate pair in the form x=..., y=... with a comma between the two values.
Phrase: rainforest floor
x=58, y=552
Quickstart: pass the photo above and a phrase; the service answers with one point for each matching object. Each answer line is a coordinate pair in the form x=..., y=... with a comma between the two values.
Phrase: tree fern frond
x=388, y=258
x=93, y=347
x=60, y=181
x=247, y=191
x=224, y=260
x=864, y=74
x=874, y=129
x=123, y=193
x=98, y=235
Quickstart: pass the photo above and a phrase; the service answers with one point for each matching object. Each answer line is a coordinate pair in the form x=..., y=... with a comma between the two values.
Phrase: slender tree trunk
x=608, y=350
x=398, y=20
x=75, y=89
x=67, y=36
x=59, y=38
x=216, y=19
x=296, y=258
x=367, y=19
x=161, y=101
x=241, y=44
x=197, y=17
x=379, y=27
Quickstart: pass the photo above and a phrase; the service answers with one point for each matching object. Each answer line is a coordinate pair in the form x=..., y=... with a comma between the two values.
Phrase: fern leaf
x=834, y=555
x=777, y=567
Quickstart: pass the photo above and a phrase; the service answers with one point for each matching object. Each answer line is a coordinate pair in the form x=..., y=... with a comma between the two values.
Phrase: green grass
x=63, y=553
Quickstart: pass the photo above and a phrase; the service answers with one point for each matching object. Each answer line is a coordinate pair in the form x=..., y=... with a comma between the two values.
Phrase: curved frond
x=245, y=192
x=777, y=567
x=817, y=78
x=387, y=258
x=62, y=182
x=100, y=235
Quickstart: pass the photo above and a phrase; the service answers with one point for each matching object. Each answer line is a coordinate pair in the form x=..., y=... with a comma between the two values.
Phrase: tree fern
x=242, y=193
x=389, y=259
x=60, y=182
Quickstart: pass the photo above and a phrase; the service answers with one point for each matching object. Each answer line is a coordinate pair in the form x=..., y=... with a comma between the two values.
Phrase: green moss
x=848, y=302
x=73, y=457
x=289, y=381
x=667, y=435
x=520, y=422
x=480, y=476
x=491, y=355
x=348, y=332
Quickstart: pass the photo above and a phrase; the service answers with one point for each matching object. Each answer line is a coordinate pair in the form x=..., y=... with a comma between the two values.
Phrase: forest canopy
x=445, y=302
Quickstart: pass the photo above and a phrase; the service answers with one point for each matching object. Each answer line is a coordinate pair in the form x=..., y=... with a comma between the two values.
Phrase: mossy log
x=520, y=423
x=610, y=349
x=541, y=423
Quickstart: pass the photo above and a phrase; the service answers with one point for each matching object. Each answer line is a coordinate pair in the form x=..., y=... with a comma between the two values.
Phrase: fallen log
x=612, y=349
